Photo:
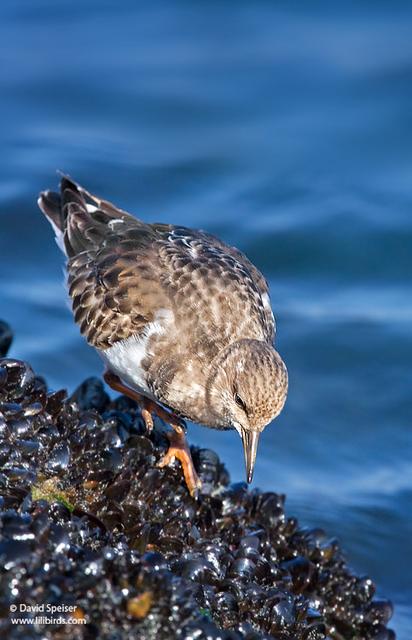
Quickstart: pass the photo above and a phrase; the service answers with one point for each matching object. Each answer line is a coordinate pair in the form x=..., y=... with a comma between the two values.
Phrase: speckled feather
x=125, y=276
x=121, y=271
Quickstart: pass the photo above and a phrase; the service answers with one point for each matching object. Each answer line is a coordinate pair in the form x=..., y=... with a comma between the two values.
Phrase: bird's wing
x=112, y=266
x=114, y=289
x=122, y=272
x=215, y=289
x=258, y=279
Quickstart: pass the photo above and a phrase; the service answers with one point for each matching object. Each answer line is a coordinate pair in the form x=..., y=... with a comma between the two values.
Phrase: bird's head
x=247, y=389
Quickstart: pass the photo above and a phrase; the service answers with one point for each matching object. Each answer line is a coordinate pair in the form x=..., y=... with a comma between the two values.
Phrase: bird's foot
x=178, y=446
x=179, y=449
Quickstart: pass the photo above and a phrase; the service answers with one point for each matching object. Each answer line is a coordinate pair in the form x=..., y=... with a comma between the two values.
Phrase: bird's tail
x=78, y=218
x=55, y=207
x=50, y=203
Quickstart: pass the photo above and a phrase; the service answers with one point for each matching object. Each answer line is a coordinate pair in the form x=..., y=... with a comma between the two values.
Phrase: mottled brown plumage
x=178, y=315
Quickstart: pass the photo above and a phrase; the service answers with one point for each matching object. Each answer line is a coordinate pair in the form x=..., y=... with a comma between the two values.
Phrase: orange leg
x=178, y=446
x=179, y=449
x=117, y=385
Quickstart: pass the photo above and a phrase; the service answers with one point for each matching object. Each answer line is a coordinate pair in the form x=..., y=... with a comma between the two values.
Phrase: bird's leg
x=179, y=449
x=117, y=385
x=178, y=446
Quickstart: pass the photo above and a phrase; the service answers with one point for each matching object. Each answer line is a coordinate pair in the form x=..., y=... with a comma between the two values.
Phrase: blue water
x=286, y=128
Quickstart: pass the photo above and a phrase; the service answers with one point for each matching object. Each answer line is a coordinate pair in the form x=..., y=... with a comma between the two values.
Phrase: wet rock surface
x=6, y=338
x=87, y=520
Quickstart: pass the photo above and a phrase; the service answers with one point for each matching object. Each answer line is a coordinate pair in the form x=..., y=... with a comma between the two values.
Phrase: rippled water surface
x=286, y=129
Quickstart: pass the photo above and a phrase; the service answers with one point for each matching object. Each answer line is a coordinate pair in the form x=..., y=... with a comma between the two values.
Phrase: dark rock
x=20, y=379
x=6, y=338
x=87, y=518
x=59, y=458
x=91, y=395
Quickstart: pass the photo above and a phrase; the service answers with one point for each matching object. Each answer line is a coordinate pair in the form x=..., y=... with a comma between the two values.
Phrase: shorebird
x=182, y=321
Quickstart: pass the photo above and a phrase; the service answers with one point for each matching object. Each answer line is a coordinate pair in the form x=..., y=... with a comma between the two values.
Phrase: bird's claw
x=178, y=446
x=179, y=450
x=148, y=420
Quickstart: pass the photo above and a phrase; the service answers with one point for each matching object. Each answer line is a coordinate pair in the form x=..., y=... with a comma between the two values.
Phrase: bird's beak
x=250, y=441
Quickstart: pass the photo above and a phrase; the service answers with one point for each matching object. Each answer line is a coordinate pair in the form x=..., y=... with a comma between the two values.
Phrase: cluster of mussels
x=88, y=521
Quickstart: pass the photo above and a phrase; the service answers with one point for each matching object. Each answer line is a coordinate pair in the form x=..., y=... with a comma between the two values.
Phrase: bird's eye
x=240, y=403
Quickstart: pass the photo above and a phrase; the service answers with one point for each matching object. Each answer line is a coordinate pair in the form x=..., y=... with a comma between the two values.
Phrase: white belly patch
x=125, y=357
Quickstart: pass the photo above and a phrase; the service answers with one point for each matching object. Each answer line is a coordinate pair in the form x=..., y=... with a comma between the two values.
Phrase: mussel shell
x=229, y=565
